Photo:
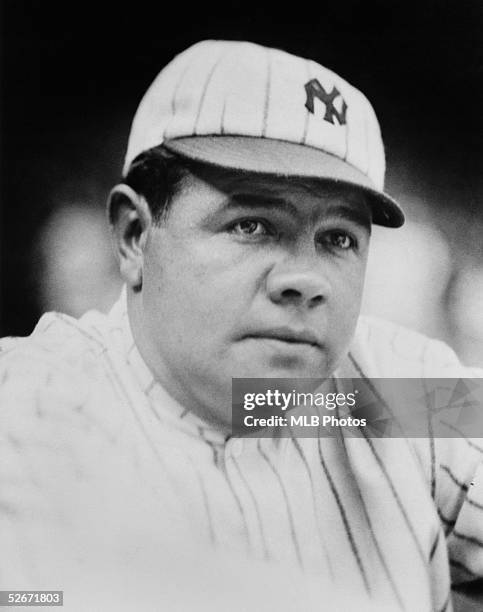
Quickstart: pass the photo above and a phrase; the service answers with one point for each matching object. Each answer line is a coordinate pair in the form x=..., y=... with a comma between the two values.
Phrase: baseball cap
x=243, y=106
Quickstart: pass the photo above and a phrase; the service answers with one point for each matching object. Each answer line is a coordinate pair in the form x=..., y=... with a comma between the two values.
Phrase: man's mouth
x=288, y=335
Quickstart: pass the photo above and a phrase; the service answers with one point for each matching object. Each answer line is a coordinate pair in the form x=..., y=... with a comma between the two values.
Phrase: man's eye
x=250, y=227
x=340, y=240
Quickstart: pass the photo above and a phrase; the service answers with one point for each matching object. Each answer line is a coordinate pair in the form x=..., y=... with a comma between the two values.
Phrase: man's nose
x=300, y=285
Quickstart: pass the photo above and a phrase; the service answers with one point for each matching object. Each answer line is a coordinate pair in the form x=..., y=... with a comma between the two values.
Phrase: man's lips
x=287, y=334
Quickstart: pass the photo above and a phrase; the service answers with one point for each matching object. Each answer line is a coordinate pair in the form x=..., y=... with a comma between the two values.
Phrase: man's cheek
x=344, y=313
x=355, y=288
x=347, y=293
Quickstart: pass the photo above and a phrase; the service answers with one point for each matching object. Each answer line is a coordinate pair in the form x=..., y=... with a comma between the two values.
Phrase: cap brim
x=281, y=158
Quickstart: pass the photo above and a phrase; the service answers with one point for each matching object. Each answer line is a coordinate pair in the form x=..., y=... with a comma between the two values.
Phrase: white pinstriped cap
x=243, y=106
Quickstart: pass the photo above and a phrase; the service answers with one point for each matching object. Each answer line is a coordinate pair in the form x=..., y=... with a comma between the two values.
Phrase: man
x=242, y=226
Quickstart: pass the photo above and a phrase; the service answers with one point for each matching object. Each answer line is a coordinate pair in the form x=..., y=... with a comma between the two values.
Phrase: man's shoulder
x=388, y=350
x=56, y=385
x=61, y=353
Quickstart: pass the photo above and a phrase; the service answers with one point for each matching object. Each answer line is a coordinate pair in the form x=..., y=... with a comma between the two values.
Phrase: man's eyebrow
x=360, y=215
x=261, y=201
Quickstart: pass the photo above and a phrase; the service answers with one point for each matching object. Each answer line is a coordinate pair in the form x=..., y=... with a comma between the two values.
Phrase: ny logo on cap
x=314, y=89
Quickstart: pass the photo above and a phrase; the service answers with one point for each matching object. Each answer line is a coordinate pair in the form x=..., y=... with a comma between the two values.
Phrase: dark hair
x=157, y=174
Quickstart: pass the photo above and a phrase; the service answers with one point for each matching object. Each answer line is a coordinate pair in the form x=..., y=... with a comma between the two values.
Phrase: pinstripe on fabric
x=312, y=489
x=173, y=101
x=474, y=503
x=434, y=546
x=287, y=502
x=397, y=497
x=266, y=554
x=267, y=94
x=377, y=545
x=343, y=516
x=461, y=435
x=307, y=112
x=461, y=485
x=203, y=92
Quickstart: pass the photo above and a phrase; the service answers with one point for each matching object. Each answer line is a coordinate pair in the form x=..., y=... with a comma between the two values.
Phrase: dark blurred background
x=72, y=75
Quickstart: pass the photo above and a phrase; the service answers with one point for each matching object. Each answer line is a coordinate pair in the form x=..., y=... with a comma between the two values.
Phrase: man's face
x=250, y=276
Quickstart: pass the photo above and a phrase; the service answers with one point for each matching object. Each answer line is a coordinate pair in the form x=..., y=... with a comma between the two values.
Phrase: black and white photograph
x=241, y=306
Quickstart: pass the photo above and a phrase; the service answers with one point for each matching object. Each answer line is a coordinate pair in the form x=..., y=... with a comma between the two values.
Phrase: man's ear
x=130, y=220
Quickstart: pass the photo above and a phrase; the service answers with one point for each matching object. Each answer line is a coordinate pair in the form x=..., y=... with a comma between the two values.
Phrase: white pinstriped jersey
x=99, y=465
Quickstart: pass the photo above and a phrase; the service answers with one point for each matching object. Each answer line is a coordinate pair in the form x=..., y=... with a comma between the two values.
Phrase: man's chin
x=284, y=366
